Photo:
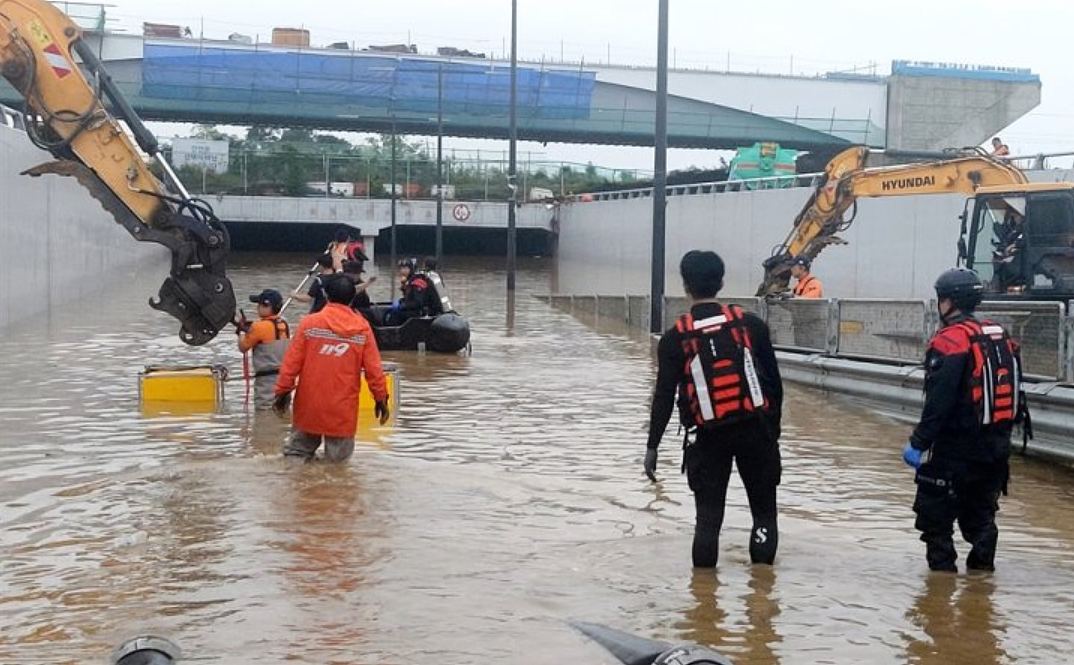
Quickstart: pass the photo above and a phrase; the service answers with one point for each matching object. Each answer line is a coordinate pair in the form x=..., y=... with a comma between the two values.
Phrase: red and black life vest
x=720, y=384
x=995, y=380
x=355, y=251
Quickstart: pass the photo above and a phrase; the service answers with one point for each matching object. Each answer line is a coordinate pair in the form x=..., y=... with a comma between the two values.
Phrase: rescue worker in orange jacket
x=961, y=445
x=807, y=285
x=330, y=351
x=266, y=339
x=720, y=362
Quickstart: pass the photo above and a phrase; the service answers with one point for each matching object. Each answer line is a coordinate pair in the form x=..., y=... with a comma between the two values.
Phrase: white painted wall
x=56, y=242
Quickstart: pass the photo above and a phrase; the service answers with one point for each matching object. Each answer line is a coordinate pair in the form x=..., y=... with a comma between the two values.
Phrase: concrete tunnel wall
x=896, y=247
x=56, y=242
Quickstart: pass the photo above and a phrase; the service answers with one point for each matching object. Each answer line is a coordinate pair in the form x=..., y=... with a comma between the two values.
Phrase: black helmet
x=411, y=263
x=962, y=286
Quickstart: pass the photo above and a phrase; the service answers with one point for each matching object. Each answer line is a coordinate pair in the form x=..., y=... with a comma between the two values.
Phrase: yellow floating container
x=367, y=419
x=162, y=385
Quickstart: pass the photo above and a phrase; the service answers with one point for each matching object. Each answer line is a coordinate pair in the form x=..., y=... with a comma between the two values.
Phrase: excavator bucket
x=777, y=276
x=197, y=292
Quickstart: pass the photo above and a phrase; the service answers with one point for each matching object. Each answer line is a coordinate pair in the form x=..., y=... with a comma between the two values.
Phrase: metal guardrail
x=716, y=187
x=891, y=331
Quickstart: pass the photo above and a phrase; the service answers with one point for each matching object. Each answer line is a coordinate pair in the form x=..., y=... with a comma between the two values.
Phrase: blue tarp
x=405, y=85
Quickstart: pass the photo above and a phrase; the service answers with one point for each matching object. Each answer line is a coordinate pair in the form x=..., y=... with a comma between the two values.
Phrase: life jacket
x=355, y=251
x=808, y=287
x=720, y=384
x=996, y=376
x=267, y=357
x=415, y=294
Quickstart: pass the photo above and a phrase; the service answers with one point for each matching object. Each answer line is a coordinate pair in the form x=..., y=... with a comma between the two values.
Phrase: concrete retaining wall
x=897, y=245
x=56, y=242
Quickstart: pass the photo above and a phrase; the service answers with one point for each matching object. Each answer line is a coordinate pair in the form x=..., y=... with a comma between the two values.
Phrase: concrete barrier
x=896, y=391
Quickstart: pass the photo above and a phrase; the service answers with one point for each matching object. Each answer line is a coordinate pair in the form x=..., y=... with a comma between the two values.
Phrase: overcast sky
x=816, y=36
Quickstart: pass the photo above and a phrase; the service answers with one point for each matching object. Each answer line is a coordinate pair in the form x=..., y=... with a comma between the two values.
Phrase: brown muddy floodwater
x=508, y=500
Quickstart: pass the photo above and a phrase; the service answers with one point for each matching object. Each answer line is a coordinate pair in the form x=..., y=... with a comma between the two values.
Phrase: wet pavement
x=508, y=500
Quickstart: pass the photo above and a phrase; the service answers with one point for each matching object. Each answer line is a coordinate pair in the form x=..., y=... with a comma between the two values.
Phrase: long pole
x=512, y=140
x=439, y=165
x=660, y=173
x=392, y=178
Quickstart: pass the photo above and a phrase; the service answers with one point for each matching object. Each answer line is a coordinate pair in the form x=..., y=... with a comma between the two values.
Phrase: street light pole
x=660, y=173
x=512, y=140
x=439, y=164
x=393, y=243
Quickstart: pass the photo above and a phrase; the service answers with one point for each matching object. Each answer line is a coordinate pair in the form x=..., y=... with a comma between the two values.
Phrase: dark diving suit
x=968, y=467
x=751, y=444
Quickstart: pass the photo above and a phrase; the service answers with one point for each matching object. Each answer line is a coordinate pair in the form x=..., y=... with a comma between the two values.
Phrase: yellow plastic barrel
x=367, y=419
x=182, y=388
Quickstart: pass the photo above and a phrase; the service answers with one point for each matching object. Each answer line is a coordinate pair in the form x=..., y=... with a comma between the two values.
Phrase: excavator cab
x=1021, y=242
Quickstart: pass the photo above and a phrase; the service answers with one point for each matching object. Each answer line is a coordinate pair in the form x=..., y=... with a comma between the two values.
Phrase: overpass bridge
x=921, y=106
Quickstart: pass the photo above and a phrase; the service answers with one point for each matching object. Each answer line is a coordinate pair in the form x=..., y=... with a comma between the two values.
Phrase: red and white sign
x=461, y=212
x=54, y=57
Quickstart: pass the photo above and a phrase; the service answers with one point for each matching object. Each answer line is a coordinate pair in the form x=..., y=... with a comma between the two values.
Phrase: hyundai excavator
x=66, y=114
x=1017, y=235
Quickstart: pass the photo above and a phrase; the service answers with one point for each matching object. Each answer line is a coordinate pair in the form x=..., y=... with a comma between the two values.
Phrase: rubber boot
x=940, y=552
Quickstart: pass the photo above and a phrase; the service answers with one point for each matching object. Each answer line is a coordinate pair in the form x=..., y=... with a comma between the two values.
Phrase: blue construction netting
x=954, y=70
x=406, y=85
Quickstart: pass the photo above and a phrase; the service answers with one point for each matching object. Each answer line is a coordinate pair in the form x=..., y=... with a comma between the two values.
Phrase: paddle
x=305, y=279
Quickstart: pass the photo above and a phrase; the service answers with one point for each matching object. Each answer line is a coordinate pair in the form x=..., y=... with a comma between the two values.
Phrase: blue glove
x=396, y=306
x=912, y=456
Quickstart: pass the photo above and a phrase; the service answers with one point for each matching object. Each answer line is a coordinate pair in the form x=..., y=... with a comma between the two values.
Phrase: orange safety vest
x=809, y=287
x=720, y=383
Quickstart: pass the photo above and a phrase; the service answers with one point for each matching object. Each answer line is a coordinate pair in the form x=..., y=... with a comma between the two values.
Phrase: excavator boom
x=847, y=178
x=66, y=115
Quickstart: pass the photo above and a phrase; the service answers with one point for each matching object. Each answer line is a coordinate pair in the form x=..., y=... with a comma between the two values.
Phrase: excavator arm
x=66, y=114
x=847, y=178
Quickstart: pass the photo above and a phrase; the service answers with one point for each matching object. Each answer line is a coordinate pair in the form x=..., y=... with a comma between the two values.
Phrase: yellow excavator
x=66, y=89
x=1017, y=235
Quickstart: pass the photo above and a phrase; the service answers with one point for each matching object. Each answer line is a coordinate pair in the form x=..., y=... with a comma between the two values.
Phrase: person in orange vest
x=807, y=285
x=328, y=354
x=999, y=149
x=266, y=339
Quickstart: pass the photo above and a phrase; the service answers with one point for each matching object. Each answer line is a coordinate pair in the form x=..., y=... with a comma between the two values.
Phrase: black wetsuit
x=968, y=467
x=316, y=293
x=753, y=445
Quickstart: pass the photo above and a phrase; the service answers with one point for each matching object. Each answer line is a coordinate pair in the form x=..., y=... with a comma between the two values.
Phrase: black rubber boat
x=443, y=333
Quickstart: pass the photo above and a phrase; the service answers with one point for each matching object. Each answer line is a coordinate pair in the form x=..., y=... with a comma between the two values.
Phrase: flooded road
x=508, y=500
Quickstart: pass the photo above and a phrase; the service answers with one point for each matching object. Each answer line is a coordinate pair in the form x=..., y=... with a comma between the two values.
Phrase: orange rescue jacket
x=327, y=356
